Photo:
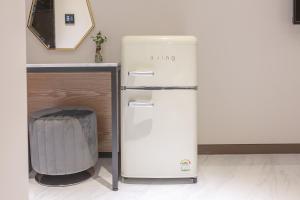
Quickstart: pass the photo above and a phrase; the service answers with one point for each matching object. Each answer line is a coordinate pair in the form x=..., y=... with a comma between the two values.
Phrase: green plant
x=99, y=39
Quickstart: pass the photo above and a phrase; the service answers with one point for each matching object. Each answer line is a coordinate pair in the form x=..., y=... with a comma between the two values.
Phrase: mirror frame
x=32, y=30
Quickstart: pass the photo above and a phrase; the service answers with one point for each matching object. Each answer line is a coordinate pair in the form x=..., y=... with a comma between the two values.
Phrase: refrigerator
x=159, y=107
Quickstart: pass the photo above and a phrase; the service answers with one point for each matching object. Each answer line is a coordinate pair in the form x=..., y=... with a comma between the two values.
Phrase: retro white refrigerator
x=159, y=107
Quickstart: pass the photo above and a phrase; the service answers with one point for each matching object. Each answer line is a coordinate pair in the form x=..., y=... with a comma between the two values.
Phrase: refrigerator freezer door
x=159, y=61
x=159, y=134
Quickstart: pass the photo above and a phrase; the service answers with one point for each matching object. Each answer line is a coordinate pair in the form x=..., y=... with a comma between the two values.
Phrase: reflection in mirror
x=42, y=22
x=60, y=24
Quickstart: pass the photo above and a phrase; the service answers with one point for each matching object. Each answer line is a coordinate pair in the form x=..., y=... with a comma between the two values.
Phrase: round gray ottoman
x=63, y=141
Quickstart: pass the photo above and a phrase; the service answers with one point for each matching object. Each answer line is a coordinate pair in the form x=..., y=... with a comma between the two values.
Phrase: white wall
x=13, y=142
x=249, y=69
x=249, y=58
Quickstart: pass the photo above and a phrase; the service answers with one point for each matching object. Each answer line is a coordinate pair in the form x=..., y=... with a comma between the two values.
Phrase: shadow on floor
x=106, y=164
x=158, y=181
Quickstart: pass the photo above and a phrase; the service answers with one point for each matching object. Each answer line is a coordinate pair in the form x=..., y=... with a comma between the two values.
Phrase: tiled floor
x=221, y=177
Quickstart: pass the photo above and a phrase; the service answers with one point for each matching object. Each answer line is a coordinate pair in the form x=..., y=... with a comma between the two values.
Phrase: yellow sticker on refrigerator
x=185, y=165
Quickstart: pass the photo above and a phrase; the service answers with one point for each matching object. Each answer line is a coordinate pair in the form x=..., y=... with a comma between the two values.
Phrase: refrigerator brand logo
x=163, y=58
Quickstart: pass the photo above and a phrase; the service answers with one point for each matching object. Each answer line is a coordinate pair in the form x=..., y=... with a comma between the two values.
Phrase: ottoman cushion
x=63, y=140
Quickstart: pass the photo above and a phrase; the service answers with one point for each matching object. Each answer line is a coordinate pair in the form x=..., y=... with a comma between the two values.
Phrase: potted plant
x=99, y=39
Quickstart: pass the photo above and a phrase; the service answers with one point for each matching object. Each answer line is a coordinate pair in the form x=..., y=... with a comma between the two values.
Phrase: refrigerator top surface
x=170, y=39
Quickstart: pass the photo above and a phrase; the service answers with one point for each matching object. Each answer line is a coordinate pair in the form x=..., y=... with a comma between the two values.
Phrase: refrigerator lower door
x=159, y=134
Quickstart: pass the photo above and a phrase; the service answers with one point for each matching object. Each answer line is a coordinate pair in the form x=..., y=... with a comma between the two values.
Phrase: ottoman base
x=64, y=180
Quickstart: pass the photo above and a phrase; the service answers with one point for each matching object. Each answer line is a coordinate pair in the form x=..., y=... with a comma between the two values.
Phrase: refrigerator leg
x=195, y=180
x=123, y=179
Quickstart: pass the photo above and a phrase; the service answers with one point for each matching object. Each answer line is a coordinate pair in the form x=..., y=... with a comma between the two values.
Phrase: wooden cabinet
x=84, y=88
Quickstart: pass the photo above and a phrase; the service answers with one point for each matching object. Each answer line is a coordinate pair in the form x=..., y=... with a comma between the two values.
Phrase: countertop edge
x=74, y=65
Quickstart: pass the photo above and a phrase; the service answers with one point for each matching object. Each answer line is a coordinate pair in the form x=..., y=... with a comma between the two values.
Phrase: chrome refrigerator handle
x=140, y=104
x=141, y=73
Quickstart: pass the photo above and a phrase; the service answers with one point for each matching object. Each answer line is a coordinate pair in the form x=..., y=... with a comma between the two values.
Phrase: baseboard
x=249, y=149
x=104, y=154
x=215, y=149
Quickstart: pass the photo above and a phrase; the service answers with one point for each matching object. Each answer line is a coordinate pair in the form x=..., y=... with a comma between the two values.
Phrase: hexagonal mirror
x=61, y=24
